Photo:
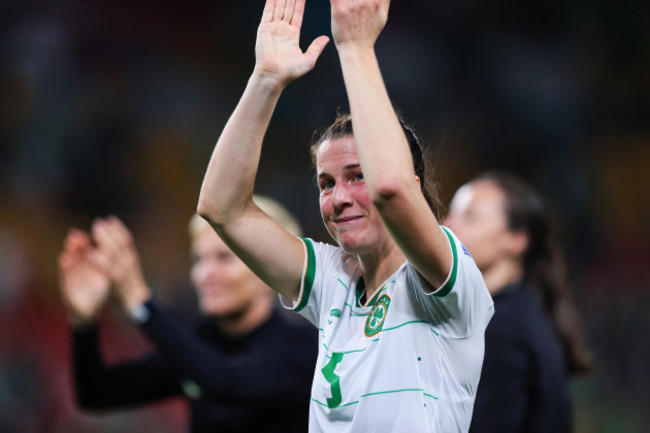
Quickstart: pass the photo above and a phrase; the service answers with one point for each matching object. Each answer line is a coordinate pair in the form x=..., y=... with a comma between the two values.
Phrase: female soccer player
x=401, y=310
x=534, y=342
x=245, y=368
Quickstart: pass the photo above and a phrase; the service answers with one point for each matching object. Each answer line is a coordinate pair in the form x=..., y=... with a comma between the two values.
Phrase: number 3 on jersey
x=333, y=379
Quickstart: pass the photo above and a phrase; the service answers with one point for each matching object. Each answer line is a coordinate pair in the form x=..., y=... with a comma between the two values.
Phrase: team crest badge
x=377, y=316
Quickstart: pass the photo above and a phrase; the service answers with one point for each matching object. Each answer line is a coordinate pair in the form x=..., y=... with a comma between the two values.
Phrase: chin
x=213, y=308
x=351, y=245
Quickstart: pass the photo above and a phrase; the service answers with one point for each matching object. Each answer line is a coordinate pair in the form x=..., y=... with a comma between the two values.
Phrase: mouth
x=347, y=220
x=211, y=290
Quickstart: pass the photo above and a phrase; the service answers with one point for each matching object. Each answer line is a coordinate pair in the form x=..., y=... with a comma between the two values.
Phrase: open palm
x=277, y=50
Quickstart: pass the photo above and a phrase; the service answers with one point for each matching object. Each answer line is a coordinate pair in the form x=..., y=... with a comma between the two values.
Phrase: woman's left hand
x=358, y=23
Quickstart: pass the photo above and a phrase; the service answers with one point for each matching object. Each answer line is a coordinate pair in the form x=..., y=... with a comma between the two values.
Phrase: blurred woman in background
x=534, y=343
x=247, y=367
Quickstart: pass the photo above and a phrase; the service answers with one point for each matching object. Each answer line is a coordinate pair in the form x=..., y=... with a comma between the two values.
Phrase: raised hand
x=117, y=257
x=84, y=287
x=277, y=50
x=358, y=23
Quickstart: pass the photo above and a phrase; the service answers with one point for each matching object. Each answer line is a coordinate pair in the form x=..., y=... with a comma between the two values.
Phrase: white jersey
x=407, y=361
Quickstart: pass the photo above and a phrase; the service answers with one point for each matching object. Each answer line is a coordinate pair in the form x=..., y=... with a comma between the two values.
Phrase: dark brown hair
x=421, y=156
x=544, y=265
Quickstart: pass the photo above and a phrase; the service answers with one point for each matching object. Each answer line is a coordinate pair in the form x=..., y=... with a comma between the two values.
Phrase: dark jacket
x=524, y=386
x=259, y=382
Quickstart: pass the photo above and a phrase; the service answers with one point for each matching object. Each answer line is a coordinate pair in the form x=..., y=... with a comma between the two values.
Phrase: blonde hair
x=268, y=205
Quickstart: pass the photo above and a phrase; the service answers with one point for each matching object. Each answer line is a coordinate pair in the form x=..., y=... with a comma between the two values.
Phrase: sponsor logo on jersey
x=334, y=313
x=377, y=316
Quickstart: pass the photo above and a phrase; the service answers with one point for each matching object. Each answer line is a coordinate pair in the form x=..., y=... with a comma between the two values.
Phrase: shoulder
x=324, y=251
x=325, y=259
x=519, y=316
x=518, y=305
x=464, y=269
x=295, y=335
x=293, y=324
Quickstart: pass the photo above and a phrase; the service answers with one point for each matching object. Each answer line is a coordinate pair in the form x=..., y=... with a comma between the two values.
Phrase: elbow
x=206, y=210
x=386, y=191
x=218, y=215
x=205, y=207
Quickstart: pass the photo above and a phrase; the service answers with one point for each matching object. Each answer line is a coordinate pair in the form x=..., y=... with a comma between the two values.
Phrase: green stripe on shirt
x=309, y=275
x=446, y=289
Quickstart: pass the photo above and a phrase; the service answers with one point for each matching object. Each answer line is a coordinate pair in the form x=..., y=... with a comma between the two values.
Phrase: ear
x=516, y=243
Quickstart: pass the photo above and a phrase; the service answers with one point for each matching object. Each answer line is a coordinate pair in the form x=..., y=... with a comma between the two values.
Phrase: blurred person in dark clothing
x=534, y=343
x=247, y=367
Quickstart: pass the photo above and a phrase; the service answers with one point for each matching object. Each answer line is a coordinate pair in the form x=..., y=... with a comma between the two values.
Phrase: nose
x=341, y=196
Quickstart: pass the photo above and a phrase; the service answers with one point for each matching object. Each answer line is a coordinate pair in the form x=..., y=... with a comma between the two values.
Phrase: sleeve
x=98, y=386
x=267, y=372
x=320, y=258
x=462, y=305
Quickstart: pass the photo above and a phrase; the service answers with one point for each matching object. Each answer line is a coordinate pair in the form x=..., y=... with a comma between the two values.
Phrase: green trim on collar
x=361, y=286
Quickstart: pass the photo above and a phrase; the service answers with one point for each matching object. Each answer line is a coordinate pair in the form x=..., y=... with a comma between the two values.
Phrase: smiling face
x=349, y=215
x=224, y=284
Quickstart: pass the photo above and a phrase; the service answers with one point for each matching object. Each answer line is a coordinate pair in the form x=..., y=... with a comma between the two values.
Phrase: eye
x=358, y=176
x=326, y=185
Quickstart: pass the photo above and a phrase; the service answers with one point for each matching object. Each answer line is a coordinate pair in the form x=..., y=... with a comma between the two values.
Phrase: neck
x=501, y=275
x=377, y=266
x=246, y=321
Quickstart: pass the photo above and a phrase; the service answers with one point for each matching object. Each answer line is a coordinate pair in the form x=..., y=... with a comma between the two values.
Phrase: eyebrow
x=346, y=168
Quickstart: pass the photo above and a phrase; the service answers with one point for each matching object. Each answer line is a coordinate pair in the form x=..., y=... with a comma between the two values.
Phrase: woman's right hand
x=117, y=256
x=277, y=50
x=84, y=287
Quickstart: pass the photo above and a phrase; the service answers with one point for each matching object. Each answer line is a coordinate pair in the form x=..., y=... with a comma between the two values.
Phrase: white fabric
x=419, y=372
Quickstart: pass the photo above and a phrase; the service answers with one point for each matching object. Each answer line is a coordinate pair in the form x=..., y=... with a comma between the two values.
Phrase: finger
x=68, y=266
x=76, y=240
x=267, y=15
x=289, y=11
x=121, y=232
x=385, y=7
x=298, y=13
x=316, y=48
x=104, y=236
x=278, y=11
x=65, y=261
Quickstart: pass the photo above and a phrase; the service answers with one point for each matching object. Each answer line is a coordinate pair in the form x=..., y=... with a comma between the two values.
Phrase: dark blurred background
x=113, y=107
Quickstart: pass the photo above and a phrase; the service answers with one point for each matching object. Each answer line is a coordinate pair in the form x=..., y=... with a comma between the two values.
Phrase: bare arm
x=225, y=200
x=382, y=147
